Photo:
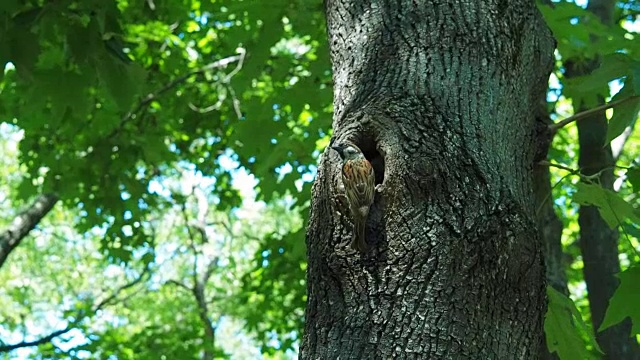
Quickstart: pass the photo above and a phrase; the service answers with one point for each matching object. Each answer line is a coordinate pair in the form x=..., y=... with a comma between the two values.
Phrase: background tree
x=125, y=111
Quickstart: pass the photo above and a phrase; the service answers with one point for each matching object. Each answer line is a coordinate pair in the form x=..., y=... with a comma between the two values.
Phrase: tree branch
x=41, y=341
x=192, y=242
x=115, y=294
x=154, y=95
x=24, y=223
x=554, y=127
x=559, y=166
x=179, y=284
x=79, y=318
x=578, y=172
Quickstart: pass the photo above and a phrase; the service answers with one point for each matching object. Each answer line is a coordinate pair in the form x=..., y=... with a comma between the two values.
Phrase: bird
x=359, y=184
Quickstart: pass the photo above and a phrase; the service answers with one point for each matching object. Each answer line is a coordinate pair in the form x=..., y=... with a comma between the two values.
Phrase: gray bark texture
x=442, y=97
x=24, y=223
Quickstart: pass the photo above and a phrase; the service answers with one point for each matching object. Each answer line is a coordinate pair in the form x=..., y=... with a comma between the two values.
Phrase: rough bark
x=550, y=228
x=598, y=242
x=24, y=223
x=439, y=95
x=550, y=231
x=549, y=224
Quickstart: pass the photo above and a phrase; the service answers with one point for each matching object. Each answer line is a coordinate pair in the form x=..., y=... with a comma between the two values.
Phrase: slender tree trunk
x=549, y=224
x=24, y=223
x=598, y=242
x=551, y=232
x=439, y=95
x=203, y=312
x=550, y=228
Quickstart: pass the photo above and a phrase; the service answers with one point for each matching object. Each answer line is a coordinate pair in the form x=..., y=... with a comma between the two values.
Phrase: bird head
x=348, y=151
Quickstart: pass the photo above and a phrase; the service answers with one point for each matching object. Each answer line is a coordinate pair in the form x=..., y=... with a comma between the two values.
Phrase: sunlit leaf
x=613, y=209
x=625, y=114
x=624, y=302
x=563, y=326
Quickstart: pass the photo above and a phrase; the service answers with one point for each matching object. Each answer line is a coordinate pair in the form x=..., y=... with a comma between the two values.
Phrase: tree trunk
x=24, y=223
x=550, y=228
x=439, y=95
x=598, y=242
x=550, y=231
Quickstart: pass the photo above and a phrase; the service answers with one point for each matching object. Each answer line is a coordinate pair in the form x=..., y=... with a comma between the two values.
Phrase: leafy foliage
x=613, y=209
x=584, y=41
x=141, y=85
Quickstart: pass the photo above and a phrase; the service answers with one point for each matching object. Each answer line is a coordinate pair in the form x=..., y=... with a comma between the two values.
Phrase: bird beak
x=339, y=149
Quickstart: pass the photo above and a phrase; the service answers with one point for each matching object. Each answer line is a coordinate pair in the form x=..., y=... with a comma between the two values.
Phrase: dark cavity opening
x=376, y=159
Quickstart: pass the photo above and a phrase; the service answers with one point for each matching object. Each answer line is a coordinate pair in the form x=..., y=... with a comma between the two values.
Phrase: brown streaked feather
x=359, y=185
x=359, y=182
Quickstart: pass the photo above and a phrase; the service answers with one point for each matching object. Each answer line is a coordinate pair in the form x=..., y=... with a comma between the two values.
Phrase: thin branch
x=236, y=102
x=179, y=284
x=80, y=317
x=205, y=110
x=201, y=216
x=226, y=80
x=559, y=166
x=154, y=95
x=554, y=127
x=192, y=242
x=41, y=341
x=233, y=72
x=590, y=178
x=593, y=177
x=226, y=226
x=213, y=264
x=116, y=293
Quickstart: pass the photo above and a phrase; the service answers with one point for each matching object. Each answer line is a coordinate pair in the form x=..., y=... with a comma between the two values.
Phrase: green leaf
x=67, y=89
x=635, y=76
x=83, y=42
x=24, y=48
x=564, y=327
x=633, y=175
x=123, y=81
x=613, y=209
x=624, y=302
x=625, y=114
x=8, y=6
x=613, y=66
